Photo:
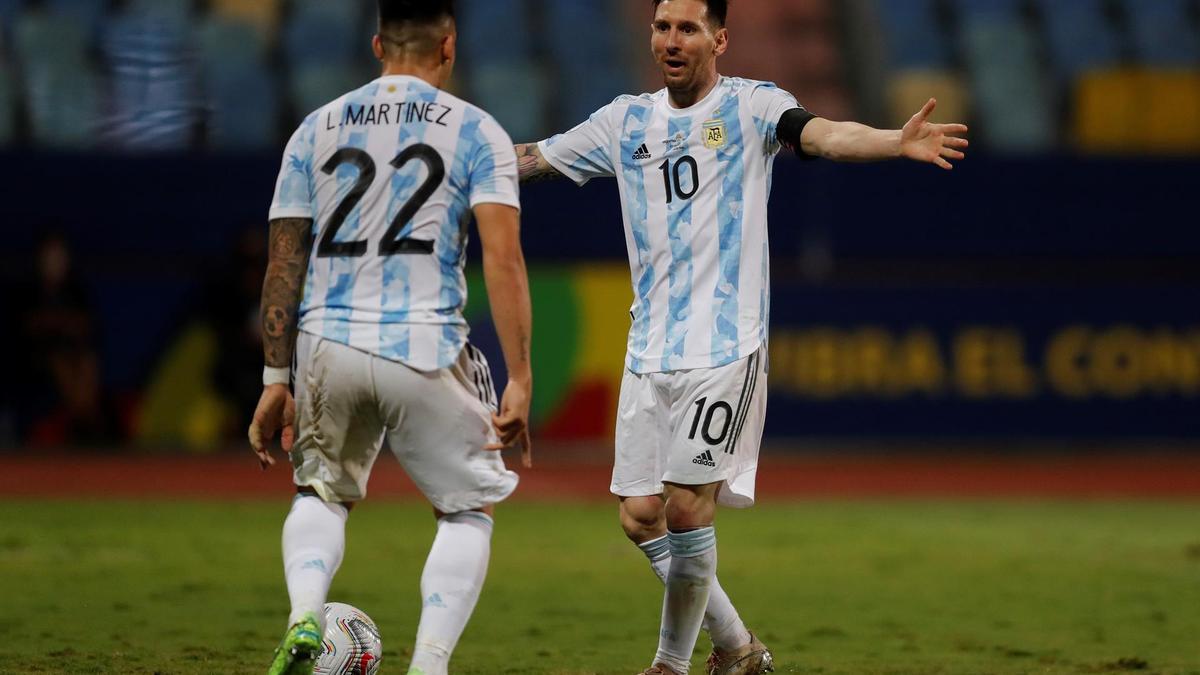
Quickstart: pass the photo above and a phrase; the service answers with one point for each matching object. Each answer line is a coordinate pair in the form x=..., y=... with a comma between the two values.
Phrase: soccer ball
x=352, y=643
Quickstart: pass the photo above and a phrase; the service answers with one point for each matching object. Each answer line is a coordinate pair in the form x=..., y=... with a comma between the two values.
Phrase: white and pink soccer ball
x=352, y=643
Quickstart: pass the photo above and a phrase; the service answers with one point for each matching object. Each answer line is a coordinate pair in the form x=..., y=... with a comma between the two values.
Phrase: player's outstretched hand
x=924, y=141
x=276, y=412
x=512, y=422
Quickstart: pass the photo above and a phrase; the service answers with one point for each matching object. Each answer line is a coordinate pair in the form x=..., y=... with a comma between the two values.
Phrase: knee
x=687, y=509
x=642, y=518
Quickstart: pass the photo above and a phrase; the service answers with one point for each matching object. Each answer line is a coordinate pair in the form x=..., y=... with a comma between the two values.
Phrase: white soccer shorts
x=692, y=427
x=436, y=423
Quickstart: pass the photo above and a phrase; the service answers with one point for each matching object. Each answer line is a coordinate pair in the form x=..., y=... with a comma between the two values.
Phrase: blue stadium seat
x=40, y=38
x=64, y=105
x=176, y=11
x=229, y=44
x=1013, y=103
x=9, y=9
x=516, y=96
x=315, y=85
x=89, y=12
x=914, y=38
x=324, y=32
x=1080, y=36
x=1163, y=33
x=494, y=32
x=973, y=11
x=8, y=108
x=155, y=93
x=585, y=83
x=245, y=109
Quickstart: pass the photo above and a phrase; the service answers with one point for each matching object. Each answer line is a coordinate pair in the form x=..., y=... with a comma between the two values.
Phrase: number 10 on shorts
x=708, y=412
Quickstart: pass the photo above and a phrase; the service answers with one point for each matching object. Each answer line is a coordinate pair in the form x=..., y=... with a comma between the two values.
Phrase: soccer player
x=693, y=168
x=365, y=282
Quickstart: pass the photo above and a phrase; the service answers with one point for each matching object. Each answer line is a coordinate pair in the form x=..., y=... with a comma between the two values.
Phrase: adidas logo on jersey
x=705, y=459
x=642, y=152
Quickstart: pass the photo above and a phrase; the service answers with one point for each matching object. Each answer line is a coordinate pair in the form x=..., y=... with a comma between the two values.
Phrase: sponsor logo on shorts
x=704, y=459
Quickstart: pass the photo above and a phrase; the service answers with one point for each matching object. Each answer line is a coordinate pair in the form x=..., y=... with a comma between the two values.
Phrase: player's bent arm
x=532, y=166
x=919, y=140
x=507, y=284
x=290, y=245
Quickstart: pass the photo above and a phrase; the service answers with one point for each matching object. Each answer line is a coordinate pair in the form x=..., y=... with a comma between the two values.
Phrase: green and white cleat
x=298, y=651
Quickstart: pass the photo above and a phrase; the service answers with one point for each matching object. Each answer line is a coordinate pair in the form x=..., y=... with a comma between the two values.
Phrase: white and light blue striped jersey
x=389, y=174
x=694, y=185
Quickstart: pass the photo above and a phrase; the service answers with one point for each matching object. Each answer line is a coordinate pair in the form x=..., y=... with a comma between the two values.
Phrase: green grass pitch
x=854, y=588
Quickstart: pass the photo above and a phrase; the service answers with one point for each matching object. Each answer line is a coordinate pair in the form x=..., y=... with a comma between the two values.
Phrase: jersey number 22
x=391, y=243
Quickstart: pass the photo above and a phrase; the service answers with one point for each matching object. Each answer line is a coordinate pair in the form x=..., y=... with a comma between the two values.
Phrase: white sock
x=314, y=539
x=693, y=568
x=450, y=586
x=721, y=618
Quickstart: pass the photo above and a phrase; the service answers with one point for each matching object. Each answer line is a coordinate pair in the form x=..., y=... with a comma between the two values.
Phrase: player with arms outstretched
x=693, y=168
x=365, y=284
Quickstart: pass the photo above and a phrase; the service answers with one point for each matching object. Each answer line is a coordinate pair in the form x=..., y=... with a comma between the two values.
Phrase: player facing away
x=365, y=282
x=693, y=167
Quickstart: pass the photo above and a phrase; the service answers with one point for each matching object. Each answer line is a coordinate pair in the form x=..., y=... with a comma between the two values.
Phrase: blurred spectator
x=61, y=396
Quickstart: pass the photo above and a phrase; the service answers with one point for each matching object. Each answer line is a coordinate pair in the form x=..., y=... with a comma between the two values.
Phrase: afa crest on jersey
x=714, y=134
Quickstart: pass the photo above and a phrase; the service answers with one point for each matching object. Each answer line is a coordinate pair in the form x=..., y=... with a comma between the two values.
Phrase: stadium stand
x=915, y=38
x=8, y=107
x=1031, y=75
x=1012, y=100
x=1164, y=32
x=1080, y=36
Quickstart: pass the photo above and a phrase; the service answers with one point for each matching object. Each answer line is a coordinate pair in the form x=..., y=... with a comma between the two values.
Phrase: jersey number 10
x=391, y=243
x=668, y=174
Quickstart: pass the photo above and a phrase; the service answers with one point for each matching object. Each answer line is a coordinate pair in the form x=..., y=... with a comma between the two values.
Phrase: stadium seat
x=1079, y=35
x=40, y=38
x=88, y=12
x=263, y=14
x=228, y=44
x=155, y=93
x=315, y=85
x=494, y=32
x=586, y=83
x=975, y=11
x=516, y=97
x=1107, y=111
x=175, y=11
x=64, y=105
x=909, y=90
x=8, y=108
x=1172, y=111
x=324, y=33
x=9, y=9
x=244, y=109
x=1013, y=103
x=1163, y=33
x=914, y=38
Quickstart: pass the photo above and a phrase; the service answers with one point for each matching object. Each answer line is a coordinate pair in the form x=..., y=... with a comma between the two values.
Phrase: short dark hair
x=411, y=26
x=397, y=12
x=718, y=10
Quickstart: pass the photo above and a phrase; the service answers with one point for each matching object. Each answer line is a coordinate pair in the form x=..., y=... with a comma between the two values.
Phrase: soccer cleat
x=659, y=669
x=753, y=658
x=298, y=651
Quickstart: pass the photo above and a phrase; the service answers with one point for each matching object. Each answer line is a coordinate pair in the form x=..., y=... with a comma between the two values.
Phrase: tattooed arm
x=290, y=244
x=532, y=166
